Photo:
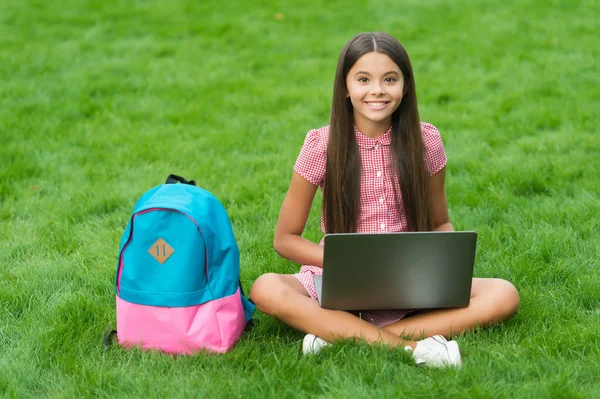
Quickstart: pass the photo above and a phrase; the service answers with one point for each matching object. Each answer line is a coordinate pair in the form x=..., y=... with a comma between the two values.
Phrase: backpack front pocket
x=154, y=264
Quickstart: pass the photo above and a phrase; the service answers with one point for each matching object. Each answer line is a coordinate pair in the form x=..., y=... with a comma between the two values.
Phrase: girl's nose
x=377, y=90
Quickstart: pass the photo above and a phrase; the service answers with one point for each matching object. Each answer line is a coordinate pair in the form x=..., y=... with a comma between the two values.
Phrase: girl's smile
x=377, y=105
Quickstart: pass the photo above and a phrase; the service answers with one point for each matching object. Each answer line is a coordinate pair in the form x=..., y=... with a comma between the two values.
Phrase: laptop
x=414, y=270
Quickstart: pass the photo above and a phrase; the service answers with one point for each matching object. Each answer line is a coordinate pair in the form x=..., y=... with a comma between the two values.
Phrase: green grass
x=99, y=101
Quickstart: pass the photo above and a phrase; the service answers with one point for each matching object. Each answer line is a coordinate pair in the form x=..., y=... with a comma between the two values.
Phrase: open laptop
x=415, y=270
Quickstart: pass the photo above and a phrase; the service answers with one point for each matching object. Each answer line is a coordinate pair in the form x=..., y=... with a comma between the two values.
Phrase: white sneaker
x=313, y=344
x=436, y=351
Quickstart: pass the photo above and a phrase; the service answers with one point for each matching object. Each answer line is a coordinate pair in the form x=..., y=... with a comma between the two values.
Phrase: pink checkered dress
x=378, y=210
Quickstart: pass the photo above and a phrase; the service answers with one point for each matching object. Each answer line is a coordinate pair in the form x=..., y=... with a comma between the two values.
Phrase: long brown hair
x=341, y=193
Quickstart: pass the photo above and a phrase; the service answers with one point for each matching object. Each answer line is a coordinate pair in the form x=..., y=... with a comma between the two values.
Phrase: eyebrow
x=387, y=73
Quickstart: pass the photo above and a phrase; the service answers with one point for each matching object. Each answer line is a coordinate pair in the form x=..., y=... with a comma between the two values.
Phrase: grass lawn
x=101, y=100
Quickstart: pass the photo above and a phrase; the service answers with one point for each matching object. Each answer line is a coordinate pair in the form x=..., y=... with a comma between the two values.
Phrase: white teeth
x=376, y=105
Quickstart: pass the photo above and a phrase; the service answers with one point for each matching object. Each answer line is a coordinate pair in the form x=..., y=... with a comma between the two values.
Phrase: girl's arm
x=438, y=203
x=288, y=241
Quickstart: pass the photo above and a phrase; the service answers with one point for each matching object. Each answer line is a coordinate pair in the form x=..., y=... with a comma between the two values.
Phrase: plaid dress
x=378, y=210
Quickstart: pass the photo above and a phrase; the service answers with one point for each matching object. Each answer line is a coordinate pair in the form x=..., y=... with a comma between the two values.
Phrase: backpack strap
x=174, y=179
x=250, y=325
x=108, y=339
x=251, y=322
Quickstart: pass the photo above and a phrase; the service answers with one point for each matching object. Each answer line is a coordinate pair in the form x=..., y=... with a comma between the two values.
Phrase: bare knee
x=505, y=300
x=261, y=291
x=269, y=293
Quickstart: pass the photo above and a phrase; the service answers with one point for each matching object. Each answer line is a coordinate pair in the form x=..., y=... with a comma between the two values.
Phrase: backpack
x=177, y=279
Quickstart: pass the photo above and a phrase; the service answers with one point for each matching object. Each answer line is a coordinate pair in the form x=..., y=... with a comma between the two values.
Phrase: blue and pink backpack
x=178, y=275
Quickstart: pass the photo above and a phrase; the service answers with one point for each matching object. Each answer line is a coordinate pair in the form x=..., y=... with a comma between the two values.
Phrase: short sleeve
x=313, y=157
x=435, y=156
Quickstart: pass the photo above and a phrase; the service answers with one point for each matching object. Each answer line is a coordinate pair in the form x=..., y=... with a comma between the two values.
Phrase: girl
x=380, y=170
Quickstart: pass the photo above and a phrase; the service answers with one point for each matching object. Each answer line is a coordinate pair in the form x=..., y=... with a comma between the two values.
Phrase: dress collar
x=370, y=142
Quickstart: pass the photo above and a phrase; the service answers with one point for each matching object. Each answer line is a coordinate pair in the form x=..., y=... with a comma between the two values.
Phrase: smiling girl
x=380, y=170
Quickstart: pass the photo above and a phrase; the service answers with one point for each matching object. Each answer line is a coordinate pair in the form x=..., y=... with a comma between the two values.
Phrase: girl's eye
x=390, y=80
x=362, y=80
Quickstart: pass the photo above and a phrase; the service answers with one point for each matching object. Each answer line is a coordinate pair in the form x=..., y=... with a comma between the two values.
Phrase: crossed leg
x=492, y=301
x=283, y=297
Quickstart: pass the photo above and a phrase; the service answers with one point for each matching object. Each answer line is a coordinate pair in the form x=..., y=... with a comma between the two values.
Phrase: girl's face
x=375, y=87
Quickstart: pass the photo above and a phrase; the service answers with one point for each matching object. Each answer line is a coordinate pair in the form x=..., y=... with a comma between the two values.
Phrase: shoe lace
x=435, y=352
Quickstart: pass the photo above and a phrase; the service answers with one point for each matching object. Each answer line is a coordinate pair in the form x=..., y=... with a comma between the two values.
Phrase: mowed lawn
x=101, y=100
